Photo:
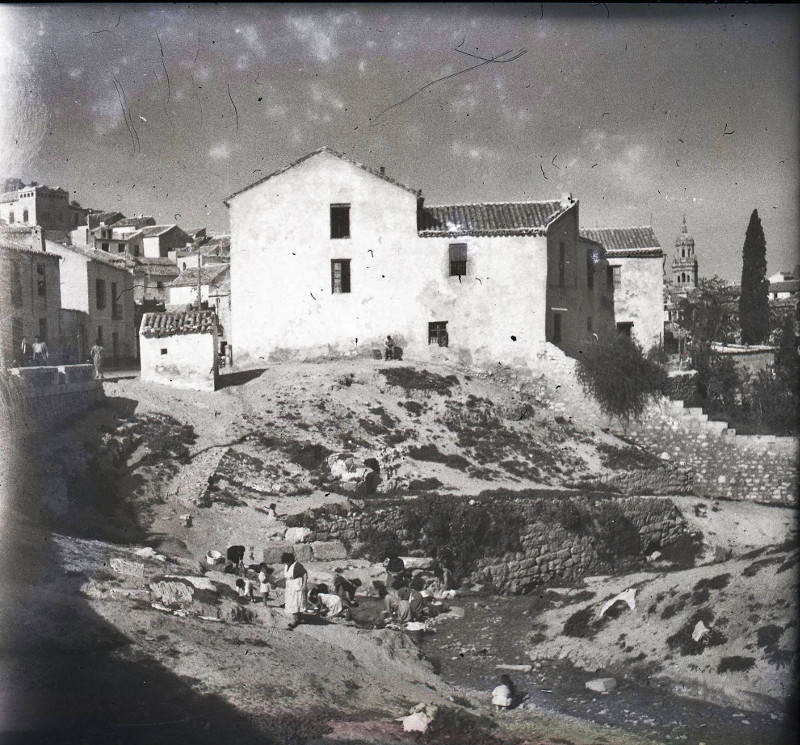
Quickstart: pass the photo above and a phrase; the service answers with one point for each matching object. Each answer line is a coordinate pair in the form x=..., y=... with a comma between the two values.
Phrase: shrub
x=620, y=378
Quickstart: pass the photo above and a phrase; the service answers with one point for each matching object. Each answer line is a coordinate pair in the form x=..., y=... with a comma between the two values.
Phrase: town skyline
x=669, y=111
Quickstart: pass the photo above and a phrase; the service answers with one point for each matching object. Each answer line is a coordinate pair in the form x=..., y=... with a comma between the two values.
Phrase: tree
x=619, y=377
x=708, y=313
x=754, y=300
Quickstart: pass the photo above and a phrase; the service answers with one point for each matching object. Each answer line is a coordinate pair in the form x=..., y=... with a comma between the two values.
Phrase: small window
x=562, y=264
x=609, y=277
x=458, y=259
x=100, y=333
x=25, y=216
x=625, y=329
x=590, y=264
x=163, y=351
x=120, y=247
x=100, y=293
x=340, y=276
x=41, y=280
x=340, y=221
x=437, y=333
x=105, y=247
x=116, y=307
x=159, y=285
x=556, y=328
x=11, y=218
x=617, y=275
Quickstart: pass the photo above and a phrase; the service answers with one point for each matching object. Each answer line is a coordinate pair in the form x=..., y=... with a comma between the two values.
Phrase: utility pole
x=199, y=293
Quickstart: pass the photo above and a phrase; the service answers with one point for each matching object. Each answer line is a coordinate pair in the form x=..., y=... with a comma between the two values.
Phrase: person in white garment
x=503, y=695
x=296, y=588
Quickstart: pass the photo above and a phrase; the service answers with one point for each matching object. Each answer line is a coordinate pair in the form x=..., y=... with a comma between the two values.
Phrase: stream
x=496, y=629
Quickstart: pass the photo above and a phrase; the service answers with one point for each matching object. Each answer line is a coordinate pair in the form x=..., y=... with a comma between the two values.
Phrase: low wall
x=551, y=539
x=37, y=399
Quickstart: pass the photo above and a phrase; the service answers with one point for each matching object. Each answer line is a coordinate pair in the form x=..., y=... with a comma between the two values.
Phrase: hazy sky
x=643, y=113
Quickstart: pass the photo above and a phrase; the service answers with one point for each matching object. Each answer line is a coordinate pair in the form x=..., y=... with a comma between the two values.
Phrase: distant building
x=180, y=349
x=636, y=265
x=98, y=287
x=684, y=262
x=330, y=256
x=159, y=240
x=40, y=205
x=30, y=293
x=211, y=250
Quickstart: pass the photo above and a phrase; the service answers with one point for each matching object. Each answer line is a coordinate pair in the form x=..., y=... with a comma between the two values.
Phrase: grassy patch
x=432, y=454
x=411, y=379
x=682, y=641
x=735, y=664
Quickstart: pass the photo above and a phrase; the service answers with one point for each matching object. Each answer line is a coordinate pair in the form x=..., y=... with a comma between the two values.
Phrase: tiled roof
x=95, y=218
x=157, y=325
x=790, y=285
x=219, y=246
x=9, y=244
x=621, y=242
x=134, y=222
x=784, y=302
x=311, y=155
x=209, y=274
x=150, y=231
x=155, y=267
x=504, y=218
x=92, y=254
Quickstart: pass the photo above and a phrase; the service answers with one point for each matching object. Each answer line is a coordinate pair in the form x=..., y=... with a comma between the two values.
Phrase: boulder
x=601, y=685
x=417, y=722
x=273, y=551
x=123, y=566
x=199, y=583
x=297, y=535
x=329, y=550
x=170, y=592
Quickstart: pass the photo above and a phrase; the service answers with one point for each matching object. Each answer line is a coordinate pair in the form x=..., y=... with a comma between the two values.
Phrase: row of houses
x=71, y=288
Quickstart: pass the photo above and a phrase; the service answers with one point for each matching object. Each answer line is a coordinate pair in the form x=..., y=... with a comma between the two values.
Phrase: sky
x=642, y=113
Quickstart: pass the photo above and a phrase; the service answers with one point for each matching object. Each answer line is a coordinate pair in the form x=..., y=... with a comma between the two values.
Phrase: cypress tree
x=754, y=300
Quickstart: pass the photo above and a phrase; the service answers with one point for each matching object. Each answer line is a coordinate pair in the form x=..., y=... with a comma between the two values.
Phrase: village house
x=30, y=293
x=210, y=250
x=83, y=236
x=102, y=291
x=636, y=266
x=180, y=349
x=329, y=256
x=159, y=240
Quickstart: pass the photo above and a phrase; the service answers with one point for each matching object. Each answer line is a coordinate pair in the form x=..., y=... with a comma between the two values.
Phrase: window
x=437, y=333
x=43, y=329
x=105, y=247
x=340, y=221
x=340, y=276
x=616, y=273
x=100, y=335
x=41, y=280
x=159, y=285
x=556, y=328
x=609, y=277
x=163, y=351
x=11, y=218
x=590, y=262
x=100, y=293
x=16, y=285
x=562, y=264
x=24, y=215
x=120, y=247
x=625, y=328
x=116, y=308
x=458, y=259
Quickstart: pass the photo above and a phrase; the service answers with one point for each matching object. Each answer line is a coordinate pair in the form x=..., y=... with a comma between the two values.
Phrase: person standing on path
x=389, y=347
x=98, y=355
x=26, y=351
x=296, y=588
x=40, y=354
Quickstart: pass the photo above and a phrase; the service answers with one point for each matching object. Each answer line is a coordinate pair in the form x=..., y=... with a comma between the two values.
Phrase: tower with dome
x=684, y=262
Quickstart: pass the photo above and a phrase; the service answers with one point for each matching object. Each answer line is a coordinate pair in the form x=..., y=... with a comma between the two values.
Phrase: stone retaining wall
x=581, y=535
x=38, y=399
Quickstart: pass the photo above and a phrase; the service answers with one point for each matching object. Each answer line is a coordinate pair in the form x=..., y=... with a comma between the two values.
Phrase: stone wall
x=562, y=538
x=37, y=399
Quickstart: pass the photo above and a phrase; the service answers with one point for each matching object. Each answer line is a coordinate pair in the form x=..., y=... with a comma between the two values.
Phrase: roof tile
x=498, y=219
x=158, y=325
x=620, y=242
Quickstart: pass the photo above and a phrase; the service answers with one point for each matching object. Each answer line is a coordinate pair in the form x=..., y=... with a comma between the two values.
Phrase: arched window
x=683, y=253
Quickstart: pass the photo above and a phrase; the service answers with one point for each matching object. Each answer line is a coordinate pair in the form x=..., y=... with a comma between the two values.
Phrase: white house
x=180, y=349
x=329, y=256
x=636, y=265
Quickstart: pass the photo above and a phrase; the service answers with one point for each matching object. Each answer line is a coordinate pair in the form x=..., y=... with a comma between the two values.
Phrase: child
x=346, y=588
x=503, y=695
x=264, y=584
x=245, y=587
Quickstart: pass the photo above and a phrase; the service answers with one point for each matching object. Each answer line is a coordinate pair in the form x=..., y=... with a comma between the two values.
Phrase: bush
x=620, y=378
